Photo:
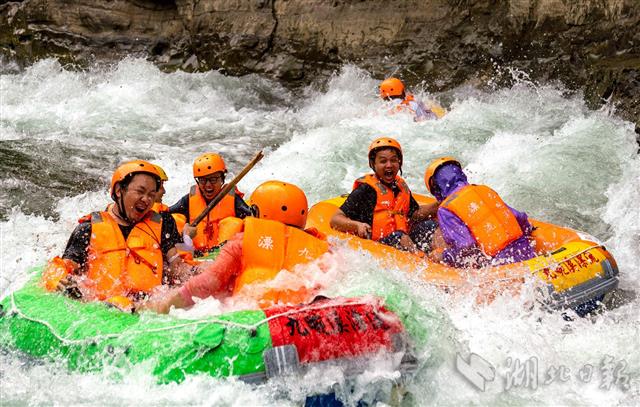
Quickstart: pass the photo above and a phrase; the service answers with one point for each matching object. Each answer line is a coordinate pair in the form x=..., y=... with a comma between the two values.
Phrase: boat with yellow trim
x=575, y=270
x=438, y=110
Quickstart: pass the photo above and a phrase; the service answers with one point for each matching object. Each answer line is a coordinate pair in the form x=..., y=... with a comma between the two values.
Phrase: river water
x=63, y=132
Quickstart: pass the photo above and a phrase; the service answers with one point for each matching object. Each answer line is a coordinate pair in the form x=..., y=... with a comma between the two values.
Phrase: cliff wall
x=593, y=45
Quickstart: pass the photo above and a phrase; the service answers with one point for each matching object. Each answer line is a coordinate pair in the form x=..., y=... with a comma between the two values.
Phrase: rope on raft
x=250, y=328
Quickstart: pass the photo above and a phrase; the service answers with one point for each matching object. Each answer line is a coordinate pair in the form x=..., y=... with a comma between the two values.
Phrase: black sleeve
x=242, y=209
x=360, y=204
x=78, y=244
x=181, y=207
x=170, y=235
x=413, y=206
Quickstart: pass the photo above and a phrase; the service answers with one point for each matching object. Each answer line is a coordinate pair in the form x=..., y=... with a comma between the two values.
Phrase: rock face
x=592, y=45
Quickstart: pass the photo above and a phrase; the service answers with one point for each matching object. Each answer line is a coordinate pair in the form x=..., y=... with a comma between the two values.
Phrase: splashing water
x=62, y=133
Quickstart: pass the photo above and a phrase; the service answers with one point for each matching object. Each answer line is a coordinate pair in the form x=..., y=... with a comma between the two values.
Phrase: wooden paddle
x=227, y=187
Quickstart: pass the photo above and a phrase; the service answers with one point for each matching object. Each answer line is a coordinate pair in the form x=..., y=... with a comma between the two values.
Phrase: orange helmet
x=163, y=175
x=391, y=87
x=433, y=167
x=208, y=163
x=383, y=142
x=133, y=167
x=281, y=201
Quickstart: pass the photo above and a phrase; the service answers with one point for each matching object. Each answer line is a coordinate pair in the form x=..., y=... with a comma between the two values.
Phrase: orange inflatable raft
x=575, y=270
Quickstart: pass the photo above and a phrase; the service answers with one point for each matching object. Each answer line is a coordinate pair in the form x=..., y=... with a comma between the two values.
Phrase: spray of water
x=63, y=132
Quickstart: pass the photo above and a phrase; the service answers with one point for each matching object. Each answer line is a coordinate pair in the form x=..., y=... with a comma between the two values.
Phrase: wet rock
x=588, y=45
x=191, y=64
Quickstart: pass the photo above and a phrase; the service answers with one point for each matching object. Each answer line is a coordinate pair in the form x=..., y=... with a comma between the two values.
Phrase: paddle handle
x=227, y=188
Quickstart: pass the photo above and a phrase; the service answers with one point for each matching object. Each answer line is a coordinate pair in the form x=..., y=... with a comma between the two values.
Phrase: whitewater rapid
x=62, y=133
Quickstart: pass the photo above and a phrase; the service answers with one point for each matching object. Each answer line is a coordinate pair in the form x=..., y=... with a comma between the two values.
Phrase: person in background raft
x=270, y=242
x=477, y=226
x=393, y=90
x=118, y=255
x=209, y=171
x=381, y=207
x=158, y=206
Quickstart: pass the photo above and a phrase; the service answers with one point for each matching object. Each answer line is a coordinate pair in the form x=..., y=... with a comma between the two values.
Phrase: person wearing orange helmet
x=393, y=91
x=381, y=207
x=158, y=206
x=272, y=241
x=209, y=171
x=119, y=255
x=477, y=227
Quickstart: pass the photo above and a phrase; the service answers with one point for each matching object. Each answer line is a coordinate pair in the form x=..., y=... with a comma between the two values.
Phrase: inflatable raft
x=438, y=110
x=254, y=345
x=574, y=270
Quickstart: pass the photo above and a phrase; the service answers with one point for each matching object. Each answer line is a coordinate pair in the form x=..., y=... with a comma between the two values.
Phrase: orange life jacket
x=120, y=268
x=229, y=227
x=207, y=231
x=267, y=248
x=391, y=212
x=55, y=270
x=404, y=105
x=178, y=217
x=181, y=220
x=159, y=207
x=408, y=99
x=488, y=218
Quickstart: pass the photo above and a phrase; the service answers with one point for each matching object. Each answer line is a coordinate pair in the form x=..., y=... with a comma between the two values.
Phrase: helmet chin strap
x=122, y=212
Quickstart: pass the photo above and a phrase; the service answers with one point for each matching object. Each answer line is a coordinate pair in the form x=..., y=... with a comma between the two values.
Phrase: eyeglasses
x=210, y=180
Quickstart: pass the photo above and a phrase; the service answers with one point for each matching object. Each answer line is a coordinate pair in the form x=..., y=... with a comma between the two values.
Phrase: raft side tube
x=573, y=267
x=90, y=337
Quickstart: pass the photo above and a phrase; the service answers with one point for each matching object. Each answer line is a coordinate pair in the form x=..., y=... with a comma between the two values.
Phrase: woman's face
x=138, y=196
x=386, y=165
x=210, y=185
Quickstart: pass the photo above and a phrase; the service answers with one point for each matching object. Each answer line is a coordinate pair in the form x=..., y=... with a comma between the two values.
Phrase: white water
x=63, y=132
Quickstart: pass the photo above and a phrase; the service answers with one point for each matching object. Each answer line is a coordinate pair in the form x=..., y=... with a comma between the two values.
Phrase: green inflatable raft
x=253, y=345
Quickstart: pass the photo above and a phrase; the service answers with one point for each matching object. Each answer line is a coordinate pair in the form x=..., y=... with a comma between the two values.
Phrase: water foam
x=544, y=151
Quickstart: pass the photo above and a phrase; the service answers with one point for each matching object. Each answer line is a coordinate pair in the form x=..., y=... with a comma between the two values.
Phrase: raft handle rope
x=251, y=329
